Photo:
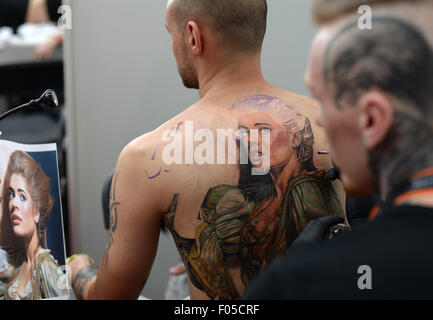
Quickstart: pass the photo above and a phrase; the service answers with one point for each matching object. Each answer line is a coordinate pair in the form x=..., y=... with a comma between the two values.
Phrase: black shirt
x=397, y=246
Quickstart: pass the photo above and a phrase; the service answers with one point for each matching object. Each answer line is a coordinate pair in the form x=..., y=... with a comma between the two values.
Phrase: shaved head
x=395, y=58
x=240, y=24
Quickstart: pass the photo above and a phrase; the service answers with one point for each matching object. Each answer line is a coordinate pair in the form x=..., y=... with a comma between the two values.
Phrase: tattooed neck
x=408, y=148
x=82, y=279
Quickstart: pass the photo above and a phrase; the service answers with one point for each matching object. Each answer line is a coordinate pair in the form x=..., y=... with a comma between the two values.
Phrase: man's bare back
x=228, y=224
x=235, y=178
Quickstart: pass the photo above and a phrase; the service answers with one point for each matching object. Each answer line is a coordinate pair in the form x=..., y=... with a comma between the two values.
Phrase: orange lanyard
x=412, y=194
x=404, y=197
x=374, y=212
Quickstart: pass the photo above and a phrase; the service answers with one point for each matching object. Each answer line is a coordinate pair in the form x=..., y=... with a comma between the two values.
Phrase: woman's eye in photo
x=23, y=198
x=11, y=195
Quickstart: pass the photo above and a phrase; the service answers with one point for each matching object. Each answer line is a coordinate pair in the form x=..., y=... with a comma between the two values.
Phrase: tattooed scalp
x=396, y=58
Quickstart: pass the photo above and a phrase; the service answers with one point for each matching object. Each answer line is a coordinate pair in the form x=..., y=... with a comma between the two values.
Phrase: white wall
x=122, y=81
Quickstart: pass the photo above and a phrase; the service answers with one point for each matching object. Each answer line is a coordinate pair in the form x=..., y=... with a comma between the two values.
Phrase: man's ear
x=194, y=38
x=376, y=117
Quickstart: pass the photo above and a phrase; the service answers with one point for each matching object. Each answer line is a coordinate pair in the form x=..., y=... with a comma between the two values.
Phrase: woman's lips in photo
x=16, y=220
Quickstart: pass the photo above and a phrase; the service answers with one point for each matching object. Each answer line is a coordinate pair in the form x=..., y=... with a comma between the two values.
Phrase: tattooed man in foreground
x=376, y=93
x=234, y=178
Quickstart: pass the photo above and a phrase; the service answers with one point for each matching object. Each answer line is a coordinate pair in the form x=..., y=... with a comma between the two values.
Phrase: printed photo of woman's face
x=23, y=214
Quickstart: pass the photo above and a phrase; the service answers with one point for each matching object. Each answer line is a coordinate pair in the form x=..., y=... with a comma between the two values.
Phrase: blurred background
x=116, y=79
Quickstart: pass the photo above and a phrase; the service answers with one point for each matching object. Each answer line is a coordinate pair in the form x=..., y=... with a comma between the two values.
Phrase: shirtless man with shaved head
x=235, y=177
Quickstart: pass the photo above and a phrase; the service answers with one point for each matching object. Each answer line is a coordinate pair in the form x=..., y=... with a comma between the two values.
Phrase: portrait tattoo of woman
x=27, y=204
x=245, y=227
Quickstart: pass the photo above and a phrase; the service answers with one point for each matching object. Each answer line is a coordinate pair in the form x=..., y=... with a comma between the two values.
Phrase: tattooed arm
x=135, y=222
x=84, y=272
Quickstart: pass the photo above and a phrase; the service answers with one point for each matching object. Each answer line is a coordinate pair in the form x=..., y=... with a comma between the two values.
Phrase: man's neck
x=406, y=151
x=221, y=79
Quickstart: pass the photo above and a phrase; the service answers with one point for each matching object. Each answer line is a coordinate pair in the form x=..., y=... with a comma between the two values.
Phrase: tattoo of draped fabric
x=244, y=227
x=113, y=219
x=82, y=279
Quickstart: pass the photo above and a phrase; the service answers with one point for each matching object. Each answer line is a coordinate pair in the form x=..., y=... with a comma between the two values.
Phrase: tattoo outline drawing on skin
x=161, y=170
